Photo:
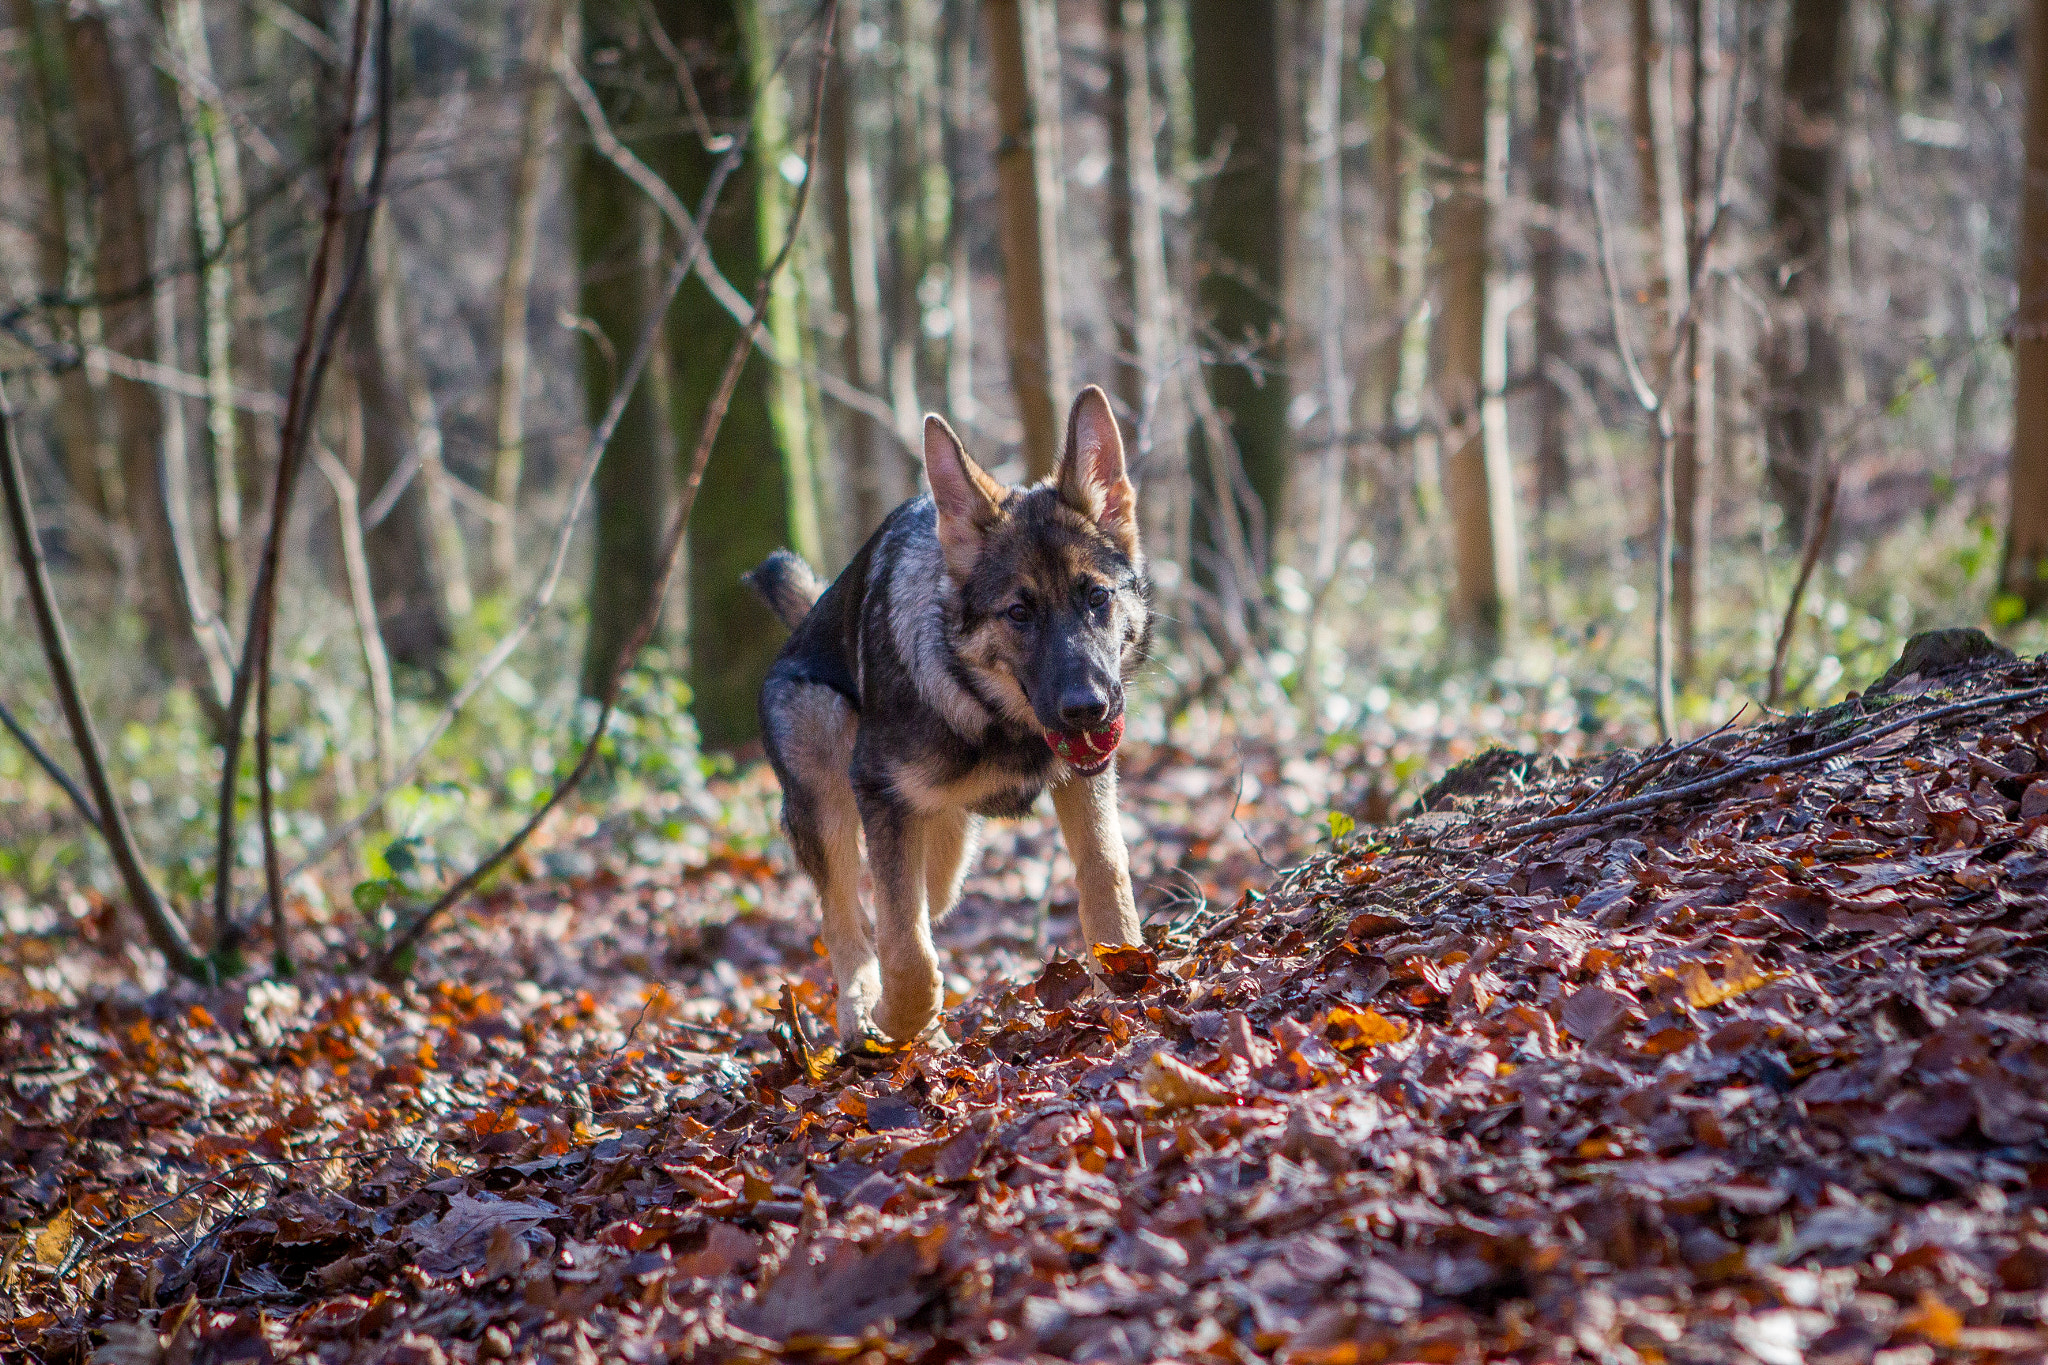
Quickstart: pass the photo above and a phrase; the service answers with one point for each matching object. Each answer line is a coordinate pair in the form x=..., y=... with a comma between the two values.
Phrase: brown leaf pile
x=1753, y=1079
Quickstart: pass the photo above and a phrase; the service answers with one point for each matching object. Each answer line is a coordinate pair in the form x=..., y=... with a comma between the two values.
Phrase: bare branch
x=51, y=766
x=1744, y=772
x=166, y=930
x=1816, y=539
x=309, y=368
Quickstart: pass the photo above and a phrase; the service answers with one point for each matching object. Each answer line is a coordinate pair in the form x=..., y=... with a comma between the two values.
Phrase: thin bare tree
x=1028, y=209
x=539, y=51
x=2025, y=571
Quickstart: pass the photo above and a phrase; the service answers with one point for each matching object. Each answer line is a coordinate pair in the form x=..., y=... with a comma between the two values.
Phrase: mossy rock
x=1933, y=653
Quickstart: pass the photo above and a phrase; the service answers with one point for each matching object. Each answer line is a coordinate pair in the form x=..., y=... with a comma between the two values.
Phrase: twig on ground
x=166, y=930
x=1816, y=539
x=1746, y=771
x=713, y=420
x=102, y=1236
x=50, y=766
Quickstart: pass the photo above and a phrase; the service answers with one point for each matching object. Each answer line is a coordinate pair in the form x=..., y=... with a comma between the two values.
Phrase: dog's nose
x=1084, y=708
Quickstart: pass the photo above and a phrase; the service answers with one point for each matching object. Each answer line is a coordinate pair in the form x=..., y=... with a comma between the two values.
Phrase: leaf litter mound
x=1755, y=1075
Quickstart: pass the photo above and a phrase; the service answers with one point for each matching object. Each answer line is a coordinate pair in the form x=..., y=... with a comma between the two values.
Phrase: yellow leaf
x=1933, y=1321
x=1172, y=1084
x=1354, y=1030
x=54, y=1239
x=1739, y=976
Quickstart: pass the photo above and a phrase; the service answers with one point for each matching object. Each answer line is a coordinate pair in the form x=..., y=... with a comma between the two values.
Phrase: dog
x=973, y=654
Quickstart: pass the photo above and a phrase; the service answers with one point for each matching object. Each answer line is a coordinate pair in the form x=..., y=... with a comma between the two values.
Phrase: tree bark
x=1804, y=358
x=1155, y=408
x=213, y=164
x=1326, y=129
x=963, y=97
x=617, y=235
x=2025, y=571
x=122, y=277
x=404, y=564
x=876, y=474
x=1698, y=424
x=1036, y=341
x=789, y=400
x=1128, y=370
x=1237, y=70
x=91, y=465
x=1547, y=258
x=1481, y=548
x=745, y=487
x=539, y=51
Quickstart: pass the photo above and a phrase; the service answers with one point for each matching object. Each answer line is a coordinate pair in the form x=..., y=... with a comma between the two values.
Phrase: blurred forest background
x=1543, y=372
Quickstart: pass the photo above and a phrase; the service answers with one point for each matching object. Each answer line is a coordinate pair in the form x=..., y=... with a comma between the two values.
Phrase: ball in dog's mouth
x=1087, y=752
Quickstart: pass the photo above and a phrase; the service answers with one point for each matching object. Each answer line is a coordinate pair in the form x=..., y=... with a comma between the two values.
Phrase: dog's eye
x=1098, y=597
x=1020, y=613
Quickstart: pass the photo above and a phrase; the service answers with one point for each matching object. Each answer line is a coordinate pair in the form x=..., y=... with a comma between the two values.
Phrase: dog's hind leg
x=950, y=841
x=810, y=732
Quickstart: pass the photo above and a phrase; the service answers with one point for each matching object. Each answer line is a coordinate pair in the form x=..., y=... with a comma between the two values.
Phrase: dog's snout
x=1088, y=705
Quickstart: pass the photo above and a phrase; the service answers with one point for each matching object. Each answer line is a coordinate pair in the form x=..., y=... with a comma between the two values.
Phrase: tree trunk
x=789, y=401
x=122, y=276
x=1547, y=260
x=91, y=465
x=538, y=53
x=1149, y=390
x=876, y=473
x=617, y=238
x=1237, y=70
x=211, y=158
x=1482, y=549
x=1804, y=359
x=744, y=497
x=963, y=97
x=2025, y=573
x=398, y=537
x=1698, y=426
x=1128, y=371
x=1326, y=133
x=1027, y=210
x=1656, y=140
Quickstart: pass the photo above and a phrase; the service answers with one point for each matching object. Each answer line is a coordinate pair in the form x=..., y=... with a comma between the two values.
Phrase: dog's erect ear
x=970, y=503
x=1092, y=480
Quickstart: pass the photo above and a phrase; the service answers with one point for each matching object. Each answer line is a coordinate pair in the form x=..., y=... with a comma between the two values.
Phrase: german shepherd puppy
x=972, y=655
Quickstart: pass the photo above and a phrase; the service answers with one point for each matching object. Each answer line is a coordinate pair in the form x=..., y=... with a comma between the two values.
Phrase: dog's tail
x=787, y=584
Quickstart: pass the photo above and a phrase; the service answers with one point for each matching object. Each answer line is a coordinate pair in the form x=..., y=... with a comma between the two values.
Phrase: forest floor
x=1756, y=1075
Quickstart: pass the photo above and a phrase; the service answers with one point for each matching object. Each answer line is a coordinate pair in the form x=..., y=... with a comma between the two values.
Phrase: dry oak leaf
x=1171, y=1084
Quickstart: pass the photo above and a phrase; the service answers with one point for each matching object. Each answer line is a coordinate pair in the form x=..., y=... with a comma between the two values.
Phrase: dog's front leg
x=1095, y=841
x=903, y=930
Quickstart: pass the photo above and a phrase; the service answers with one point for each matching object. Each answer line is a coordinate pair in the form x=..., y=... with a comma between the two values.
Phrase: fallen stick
x=1744, y=772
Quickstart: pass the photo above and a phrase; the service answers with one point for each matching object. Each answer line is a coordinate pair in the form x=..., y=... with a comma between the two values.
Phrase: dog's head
x=1051, y=582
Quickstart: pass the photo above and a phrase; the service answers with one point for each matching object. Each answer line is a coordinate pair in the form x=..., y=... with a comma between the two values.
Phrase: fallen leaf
x=1171, y=1084
x=1362, y=1030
